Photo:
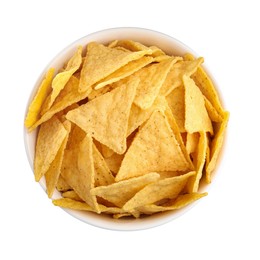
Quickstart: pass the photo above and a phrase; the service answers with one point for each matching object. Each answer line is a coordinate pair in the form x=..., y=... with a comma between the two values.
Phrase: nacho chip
x=165, y=188
x=206, y=86
x=196, y=115
x=33, y=113
x=124, y=71
x=129, y=45
x=49, y=140
x=114, y=162
x=101, y=61
x=199, y=162
x=62, y=185
x=175, y=75
x=105, y=118
x=151, y=80
x=192, y=141
x=154, y=148
x=103, y=175
x=138, y=116
x=119, y=193
x=68, y=96
x=176, y=103
x=78, y=171
x=216, y=146
x=212, y=112
x=71, y=194
x=178, y=203
x=62, y=78
x=53, y=173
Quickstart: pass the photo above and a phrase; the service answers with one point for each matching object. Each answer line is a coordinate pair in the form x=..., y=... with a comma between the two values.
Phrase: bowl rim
x=89, y=217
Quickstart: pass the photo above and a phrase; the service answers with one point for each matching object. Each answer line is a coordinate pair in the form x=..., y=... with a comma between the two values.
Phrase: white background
x=225, y=224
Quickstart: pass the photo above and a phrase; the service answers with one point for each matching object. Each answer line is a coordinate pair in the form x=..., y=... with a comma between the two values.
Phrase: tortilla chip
x=129, y=45
x=154, y=148
x=176, y=103
x=71, y=194
x=212, y=112
x=119, y=193
x=199, y=162
x=78, y=171
x=138, y=116
x=61, y=79
x=49, y=141
x=192, y=141
x=165, y=188
x=53, y=173
x=216, y=146
x=151, y=80
x=114, y=162
x=180, y=202
x=105, y=118
x=178, y=70
x=62, y=185
x=103, y=175
x=124, y=71
x=68, y=96
x=196, y=115
x=101, y=61
x=33, y=113
x=206, y=86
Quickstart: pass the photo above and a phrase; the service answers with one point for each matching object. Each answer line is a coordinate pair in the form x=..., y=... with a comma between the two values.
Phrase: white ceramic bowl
x=147, y=37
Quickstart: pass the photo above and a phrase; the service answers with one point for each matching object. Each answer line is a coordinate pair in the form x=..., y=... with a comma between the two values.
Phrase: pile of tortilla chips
x=126, y=130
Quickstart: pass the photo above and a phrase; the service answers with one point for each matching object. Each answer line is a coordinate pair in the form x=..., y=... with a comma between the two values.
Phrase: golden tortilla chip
x=53, y=173
x=166, y=188
x=196, y=115
x=192, y=141
x=105, y=118
x=33, y=113
x=175, y=75
x=199, y=162
x=101, y=61
x=61, y=79
x=176, y=103
x=114, y=162
x=119, y=193
x=103, y=175
x=154, y=148
x=71, y=194
x=180, y=202
x=62, y=185
x=49, y=141
x=206, y=86
x=151, y=80
x=213, y=113
x=78, y=171
x=68, y=96
x=138, y=116
x=216, y=146
x=124, y=71
x=129, y=45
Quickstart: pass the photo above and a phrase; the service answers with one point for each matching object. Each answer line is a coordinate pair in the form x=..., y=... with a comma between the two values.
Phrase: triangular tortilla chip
x=196, y=115
x=49, y=140
x=44, y=90
x=199, y=162
x=206, y=86
x=212, y=111
x=174, y=77
x=105, y=118
x=103, y=175
x=128, y=45
x=178, y=203
x=61, y=79
x=138, y=116
x=168, y=188
x=216, y=146
x=154, y=148
x=176, y=103
x=68, y=96
x=101, y=61
x=53, y=173
x=78, y=170
x=119, y=193
x=124, y=71
x=151, y=80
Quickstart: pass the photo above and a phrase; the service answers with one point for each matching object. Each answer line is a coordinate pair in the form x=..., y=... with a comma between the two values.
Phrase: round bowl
x=148, y=37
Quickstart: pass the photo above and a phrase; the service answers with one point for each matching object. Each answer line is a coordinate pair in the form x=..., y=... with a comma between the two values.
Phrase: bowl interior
x=147, y=37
